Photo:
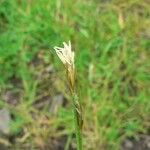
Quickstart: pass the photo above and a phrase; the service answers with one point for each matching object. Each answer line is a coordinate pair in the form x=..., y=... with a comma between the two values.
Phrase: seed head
x=65, y=54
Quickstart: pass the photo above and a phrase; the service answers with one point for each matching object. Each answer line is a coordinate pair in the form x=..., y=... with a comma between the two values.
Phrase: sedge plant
x=66, y=55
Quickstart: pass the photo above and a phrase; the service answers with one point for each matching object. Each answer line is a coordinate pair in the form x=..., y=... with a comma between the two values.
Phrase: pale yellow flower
x=65, y=54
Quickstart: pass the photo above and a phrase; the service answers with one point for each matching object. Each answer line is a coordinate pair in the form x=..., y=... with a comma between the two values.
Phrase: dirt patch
x=142, y=142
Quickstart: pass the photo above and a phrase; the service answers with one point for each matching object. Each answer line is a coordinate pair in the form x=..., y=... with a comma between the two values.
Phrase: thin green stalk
x=78, y=122
x=66, y=55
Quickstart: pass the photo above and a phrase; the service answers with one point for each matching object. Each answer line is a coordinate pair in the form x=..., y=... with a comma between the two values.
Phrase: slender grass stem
x=66, y=55
x=78, y=129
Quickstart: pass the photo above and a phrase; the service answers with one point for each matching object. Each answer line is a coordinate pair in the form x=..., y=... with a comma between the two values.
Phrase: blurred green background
x=111, y=40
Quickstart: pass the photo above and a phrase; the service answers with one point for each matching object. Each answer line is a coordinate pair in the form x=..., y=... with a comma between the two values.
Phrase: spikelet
x=66, y=55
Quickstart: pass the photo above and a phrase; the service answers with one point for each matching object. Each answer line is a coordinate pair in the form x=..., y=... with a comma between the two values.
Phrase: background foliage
x=111, y=40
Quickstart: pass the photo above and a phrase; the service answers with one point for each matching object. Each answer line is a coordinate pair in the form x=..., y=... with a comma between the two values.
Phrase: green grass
x=112, y=60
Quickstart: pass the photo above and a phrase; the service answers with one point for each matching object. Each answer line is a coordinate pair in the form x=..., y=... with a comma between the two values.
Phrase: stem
x=78, y=129
x=78, y=134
